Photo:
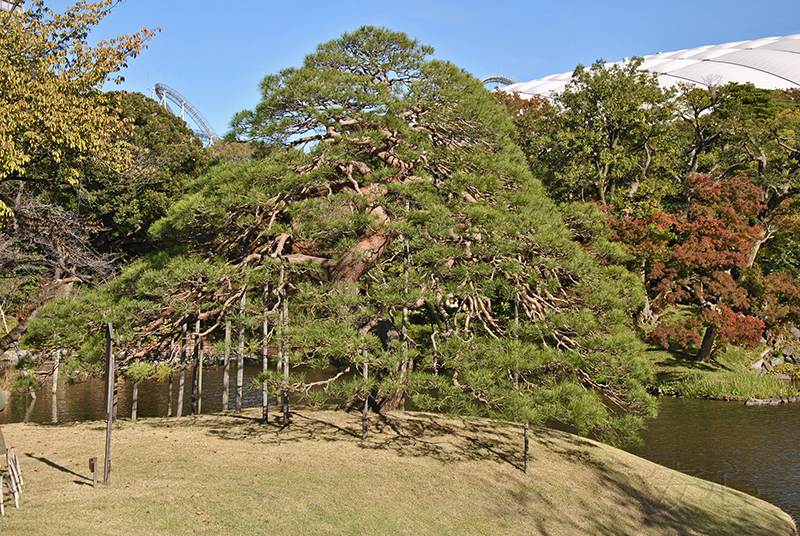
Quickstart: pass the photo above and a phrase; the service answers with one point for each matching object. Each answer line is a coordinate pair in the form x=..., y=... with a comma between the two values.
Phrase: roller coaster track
x=499, y=79
x=163, y=92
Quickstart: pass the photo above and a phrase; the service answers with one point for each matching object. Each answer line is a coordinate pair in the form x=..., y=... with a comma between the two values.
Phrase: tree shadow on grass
x=677, y=364
x=642, y=494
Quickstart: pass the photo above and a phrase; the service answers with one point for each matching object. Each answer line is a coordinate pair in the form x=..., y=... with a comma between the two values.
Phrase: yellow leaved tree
x=54, y=118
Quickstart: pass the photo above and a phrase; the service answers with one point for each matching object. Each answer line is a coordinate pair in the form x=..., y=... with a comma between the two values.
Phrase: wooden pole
x=195, y=369
x=134, y=401
x=182, y=374
x=169, y=381
x=284, y=349
x=200, y=375
x=226, y=368
x=240, y=357
x=527, y=450
x=110, y=381
x=365, y=414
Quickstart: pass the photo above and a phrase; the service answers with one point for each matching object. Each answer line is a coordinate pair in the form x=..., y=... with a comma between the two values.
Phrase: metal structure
x=162, y=92
x=498, y=79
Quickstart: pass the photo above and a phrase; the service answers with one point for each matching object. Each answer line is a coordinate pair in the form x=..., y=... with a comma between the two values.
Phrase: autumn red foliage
x=696, y=258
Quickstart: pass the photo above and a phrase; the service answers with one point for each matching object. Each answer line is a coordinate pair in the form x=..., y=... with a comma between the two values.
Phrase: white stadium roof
x=769, y=63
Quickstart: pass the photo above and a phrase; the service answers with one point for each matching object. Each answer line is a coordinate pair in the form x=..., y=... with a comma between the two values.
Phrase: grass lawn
x=416, y=474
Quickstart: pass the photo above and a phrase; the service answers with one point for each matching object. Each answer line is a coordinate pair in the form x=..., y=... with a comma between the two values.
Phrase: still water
x=85, y=400
x=752, y=449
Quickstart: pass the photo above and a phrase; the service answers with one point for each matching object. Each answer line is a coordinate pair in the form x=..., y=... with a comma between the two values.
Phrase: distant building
x=8, y=6
x=769, y=63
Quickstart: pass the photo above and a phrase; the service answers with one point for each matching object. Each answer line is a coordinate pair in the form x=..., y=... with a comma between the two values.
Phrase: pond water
x=752, y=449
x=85, y=400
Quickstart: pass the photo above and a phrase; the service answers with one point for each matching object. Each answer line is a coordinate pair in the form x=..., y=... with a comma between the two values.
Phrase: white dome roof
x=769, y=63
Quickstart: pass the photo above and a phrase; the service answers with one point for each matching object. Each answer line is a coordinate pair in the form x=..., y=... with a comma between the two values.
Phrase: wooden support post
x=182, y=373
x=265, y=358
x=226, y=367
x=110, y=381
x=240, y=357
x=54, y=390
x=196, y=370
x=169, y=381
x=527, y=449
x=365, y=414
x=200, y=377
x=134, y=401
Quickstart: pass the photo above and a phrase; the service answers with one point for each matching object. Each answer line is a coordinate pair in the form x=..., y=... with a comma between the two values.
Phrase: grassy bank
x=730, y=377
x=416, y=474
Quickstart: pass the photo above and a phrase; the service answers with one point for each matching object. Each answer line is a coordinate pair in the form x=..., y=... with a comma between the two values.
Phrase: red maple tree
x=696, y=259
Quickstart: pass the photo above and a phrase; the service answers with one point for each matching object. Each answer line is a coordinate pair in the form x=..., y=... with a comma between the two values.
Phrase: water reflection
x=751, y=449
x=84, y=400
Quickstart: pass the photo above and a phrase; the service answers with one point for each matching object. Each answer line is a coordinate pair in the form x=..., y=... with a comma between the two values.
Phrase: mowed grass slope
x=416, y=474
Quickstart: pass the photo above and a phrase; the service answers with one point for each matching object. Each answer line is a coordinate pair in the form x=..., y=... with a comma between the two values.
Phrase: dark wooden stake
x=93, y=469
x=527, y=450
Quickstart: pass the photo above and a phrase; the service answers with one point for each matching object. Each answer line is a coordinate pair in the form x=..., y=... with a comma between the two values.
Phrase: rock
x=788, y=350
x=795, y=332
x=758, y=366
x=767, y=366
x=775, y=361
x=785, y=377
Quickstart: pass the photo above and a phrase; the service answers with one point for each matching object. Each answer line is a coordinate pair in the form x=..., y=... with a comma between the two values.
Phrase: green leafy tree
x=55, y=123
x=166, y=156
x=54, y=120
x=610, y=133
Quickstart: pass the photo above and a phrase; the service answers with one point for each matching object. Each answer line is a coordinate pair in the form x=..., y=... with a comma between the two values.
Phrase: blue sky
x=216, y=53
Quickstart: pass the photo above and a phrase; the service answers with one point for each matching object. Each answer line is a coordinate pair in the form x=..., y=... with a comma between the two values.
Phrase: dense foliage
x=701, y=186
x=56, y=126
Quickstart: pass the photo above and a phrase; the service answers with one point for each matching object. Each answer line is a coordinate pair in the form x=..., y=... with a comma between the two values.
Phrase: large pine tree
x=391, y=209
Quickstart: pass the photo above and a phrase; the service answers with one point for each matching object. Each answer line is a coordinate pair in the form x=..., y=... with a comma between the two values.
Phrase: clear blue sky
x=216, y=53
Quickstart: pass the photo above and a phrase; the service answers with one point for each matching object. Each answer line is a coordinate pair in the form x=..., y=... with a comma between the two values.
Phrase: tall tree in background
x=54, y=119
x=608, y=135
x=698, y=258
x=166, y=156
